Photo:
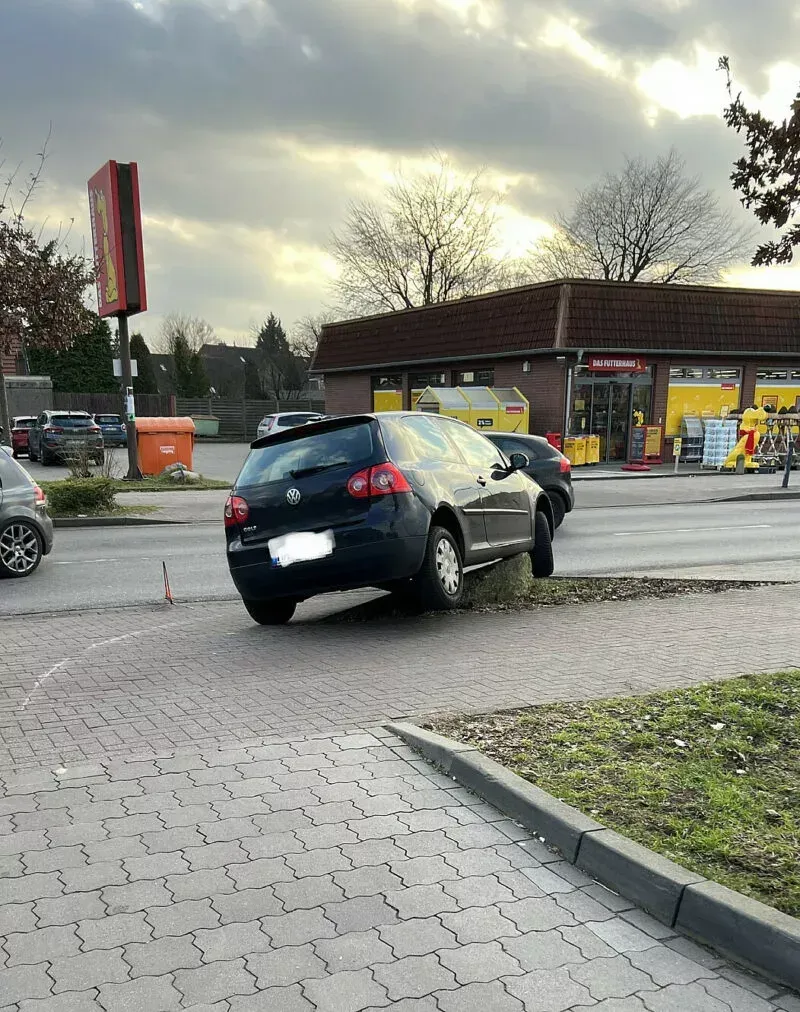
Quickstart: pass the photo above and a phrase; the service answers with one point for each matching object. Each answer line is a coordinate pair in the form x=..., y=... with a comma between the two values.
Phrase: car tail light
x=94, y=428
x=236, y=511
x=383, y=479
x=565, y=465
x=41, y=498
x=52, y=430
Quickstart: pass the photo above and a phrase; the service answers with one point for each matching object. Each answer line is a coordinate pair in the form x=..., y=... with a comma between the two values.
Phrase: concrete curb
x=741, y=928
x=113, y=522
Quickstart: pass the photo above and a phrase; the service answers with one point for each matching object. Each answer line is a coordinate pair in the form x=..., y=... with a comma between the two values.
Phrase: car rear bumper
x=368, y=556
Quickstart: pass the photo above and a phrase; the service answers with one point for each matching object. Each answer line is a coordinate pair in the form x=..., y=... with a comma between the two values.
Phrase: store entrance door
x=611, y=419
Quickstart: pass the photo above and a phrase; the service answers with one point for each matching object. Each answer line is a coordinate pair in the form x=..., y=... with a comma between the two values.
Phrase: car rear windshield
x=308, y=454
x=71, y=421
x=107, y=419
x=296, y=419
x=23, y=423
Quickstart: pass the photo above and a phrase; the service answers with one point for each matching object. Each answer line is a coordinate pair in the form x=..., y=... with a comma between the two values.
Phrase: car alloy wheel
x=447, y=566
x=20, y=549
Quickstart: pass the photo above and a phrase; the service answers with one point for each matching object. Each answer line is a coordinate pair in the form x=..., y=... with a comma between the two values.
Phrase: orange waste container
x=164, y=441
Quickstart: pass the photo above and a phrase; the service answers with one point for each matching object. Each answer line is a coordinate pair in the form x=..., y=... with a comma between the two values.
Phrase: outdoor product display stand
x=774, y=443
x=692, y=439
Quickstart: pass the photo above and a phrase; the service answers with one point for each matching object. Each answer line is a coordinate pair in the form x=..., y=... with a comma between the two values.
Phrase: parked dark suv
x=547, y=466
x=400, y=500
x=59, y=435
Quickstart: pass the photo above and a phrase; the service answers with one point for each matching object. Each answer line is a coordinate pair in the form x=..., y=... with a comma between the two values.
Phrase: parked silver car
x=285, y=420
x=26, y=530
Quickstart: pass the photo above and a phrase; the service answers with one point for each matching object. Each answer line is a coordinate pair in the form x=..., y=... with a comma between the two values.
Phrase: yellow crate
x=575, y=450
x=592, y=449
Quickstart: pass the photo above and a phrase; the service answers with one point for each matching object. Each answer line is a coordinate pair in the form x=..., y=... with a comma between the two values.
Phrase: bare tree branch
x=433, y=240
x=651, y=222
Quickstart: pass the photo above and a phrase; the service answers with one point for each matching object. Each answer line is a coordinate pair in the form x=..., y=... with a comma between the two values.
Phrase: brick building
x=586, y=354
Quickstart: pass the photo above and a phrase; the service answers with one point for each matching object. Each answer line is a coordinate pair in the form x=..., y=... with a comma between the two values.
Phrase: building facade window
x=420, y=380
x=474, y=378
x=702, y=392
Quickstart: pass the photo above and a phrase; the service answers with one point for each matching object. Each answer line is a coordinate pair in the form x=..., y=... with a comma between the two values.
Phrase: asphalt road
x=108, y=567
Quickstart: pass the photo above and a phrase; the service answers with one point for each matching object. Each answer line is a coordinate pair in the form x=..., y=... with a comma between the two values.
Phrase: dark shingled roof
x=596, y=314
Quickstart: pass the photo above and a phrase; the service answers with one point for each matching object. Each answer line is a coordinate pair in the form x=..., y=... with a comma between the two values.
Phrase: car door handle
x=482, y=481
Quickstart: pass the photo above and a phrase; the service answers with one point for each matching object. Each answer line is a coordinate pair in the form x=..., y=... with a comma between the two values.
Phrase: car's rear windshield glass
x=23, y=423
x=296, y=419
x=308, y=454
x=71, y=421
x=108, y=419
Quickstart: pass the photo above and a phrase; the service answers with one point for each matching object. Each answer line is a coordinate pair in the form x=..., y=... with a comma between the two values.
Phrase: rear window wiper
x=304, y=472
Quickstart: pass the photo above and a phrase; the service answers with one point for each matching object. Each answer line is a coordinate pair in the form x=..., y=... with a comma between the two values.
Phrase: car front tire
x=277, y=612
x=21, y=549
x=439, y=585
x=542, y=563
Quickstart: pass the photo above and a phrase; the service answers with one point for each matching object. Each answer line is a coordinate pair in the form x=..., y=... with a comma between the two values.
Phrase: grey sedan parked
x=26, y=530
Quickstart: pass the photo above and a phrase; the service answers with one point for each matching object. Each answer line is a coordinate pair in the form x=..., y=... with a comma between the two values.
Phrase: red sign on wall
x=616, y=363
x=117, y=239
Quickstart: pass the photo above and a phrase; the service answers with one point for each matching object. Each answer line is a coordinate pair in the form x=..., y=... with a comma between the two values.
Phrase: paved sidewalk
x=338, y=874
x=80, y=687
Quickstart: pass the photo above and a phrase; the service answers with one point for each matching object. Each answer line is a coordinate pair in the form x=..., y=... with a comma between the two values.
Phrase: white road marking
x=691, y=530
x=83, y=562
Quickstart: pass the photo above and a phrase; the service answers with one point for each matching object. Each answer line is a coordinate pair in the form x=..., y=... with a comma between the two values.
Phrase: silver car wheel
x=447, y=566
x=19, y=548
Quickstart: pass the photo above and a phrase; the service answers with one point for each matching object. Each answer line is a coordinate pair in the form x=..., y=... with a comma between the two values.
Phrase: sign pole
x=134, y=474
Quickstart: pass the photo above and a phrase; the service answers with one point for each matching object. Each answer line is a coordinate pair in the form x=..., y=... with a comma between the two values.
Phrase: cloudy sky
x=254, y=122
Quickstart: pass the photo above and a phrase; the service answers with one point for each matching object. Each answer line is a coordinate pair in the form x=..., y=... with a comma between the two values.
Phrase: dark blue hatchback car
x=402, y=501
x=113, y=429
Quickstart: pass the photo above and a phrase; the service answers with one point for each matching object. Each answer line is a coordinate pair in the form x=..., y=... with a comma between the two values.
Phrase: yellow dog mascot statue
x=748, y=439
x=112, y=290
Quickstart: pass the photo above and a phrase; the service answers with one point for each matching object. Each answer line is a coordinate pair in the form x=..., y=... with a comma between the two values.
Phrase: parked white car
x=285, y=420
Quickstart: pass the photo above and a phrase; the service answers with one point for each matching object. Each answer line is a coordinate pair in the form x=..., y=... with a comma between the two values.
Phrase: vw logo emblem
x=293, y=496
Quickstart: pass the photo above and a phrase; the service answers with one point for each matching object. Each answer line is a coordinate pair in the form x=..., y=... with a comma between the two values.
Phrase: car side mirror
x=519, y=461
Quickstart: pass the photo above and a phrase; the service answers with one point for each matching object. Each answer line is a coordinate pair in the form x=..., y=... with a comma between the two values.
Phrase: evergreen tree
x=190, y=373
x=145, y=382
x=274, y=357
x=252, y=382
x=85, y=366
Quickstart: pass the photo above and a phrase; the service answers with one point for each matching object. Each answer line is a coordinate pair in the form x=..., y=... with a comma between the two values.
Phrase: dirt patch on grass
x=708, y=776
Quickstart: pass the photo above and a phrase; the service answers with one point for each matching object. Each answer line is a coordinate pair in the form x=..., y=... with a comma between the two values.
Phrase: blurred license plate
x=301, y=547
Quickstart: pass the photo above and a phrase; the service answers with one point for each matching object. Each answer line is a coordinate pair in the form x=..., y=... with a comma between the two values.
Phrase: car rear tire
x=559, y=509
x=47, y=460
x=439, y=585
x=271, y=612
x=15, y=454
x=32, y=456
x=542, y=563
x=21, y=549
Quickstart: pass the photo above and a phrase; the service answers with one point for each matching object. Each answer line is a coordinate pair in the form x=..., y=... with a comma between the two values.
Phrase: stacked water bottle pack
x=721, y=435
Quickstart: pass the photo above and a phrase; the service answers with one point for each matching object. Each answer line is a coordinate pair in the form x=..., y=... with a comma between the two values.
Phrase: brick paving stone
x=376, y=827
x=426, y=844
x=45, y=943
x=247, y=904
x=271, y=999
x=620, y=935
x=198, y=885
x=581, y=906
x=737, y=998
x=128, y=899
x=264, y=871
x=18, y=917
x=316, y=862
x=298, y=927
x=414, y=977
x=321, y=837
x=548, y=882
x=181, y=918
x=216, y=982
x=666, y=966
x=145, y=993
x=543, y=950
x=427, y=1004
x=113, y=931
x=534, y=914
x=347, y=991
x=421, y=901
x=89, y=969
x=417, y=937
x=307, y=893
x=686, y=997
x=36, y=886
x=587, y=943
x=608, y=898
x=611, y=977
x=274, y=845
x=477, y=862
x=372, y=852
x=479, y=924
x=21, y=982
x=153, y=866
x=367, y=881
x=479, y=962
x=288, y=965
x=423, y=870
x=748, y=981
x=478, y=998
x=231, y=941
x=162, y=956
x=83, y=1001
x=215, y=855
x=478, y=891
x=354, y=951
x=639, y=919
x=92, y=876
x=697, y=953
x=114, y=849
x=549, y=991
x=53, y=859
x=359, y=914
